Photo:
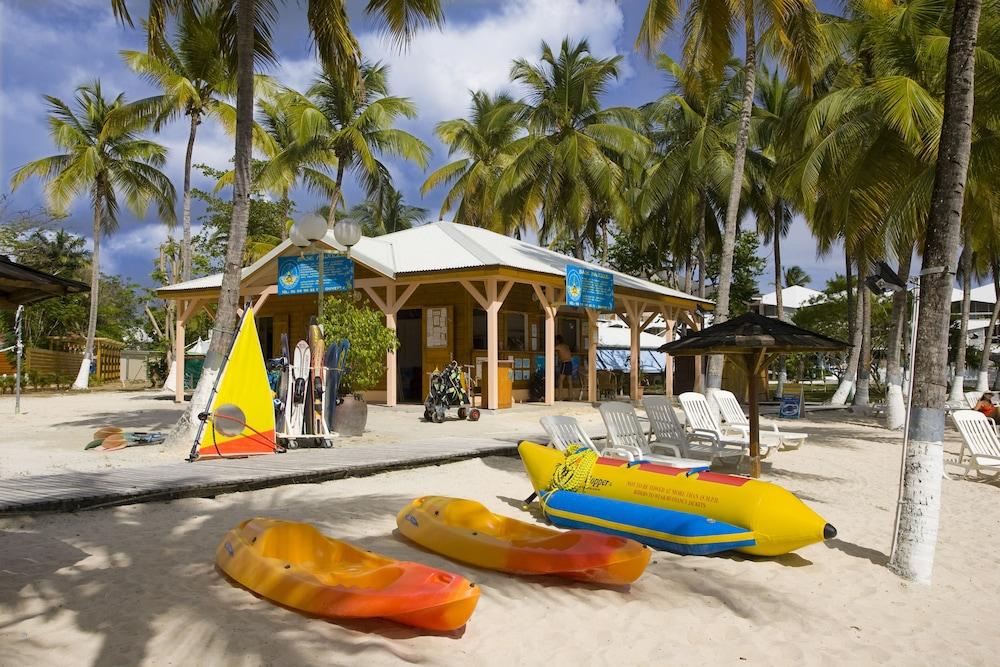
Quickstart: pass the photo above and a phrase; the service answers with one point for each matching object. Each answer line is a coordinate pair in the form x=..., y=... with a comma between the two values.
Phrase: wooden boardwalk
x=90, y=490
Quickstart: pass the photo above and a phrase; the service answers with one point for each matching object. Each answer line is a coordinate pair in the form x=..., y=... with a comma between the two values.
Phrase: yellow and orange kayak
x=295, y=565
x=466, y=531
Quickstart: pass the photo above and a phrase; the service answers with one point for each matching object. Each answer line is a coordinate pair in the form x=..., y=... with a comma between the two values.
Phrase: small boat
x=777, y=521
x=678, y=532
x=466, y=531
x=295, y=565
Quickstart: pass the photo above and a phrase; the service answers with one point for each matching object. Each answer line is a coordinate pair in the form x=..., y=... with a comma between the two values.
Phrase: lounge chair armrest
x=619, y=453
x=701, y=434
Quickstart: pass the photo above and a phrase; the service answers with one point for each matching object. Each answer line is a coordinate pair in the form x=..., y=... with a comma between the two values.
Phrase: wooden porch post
x=699, y=385
x=592, y=355
x=492, y=344
x=546, y=298
x=390, y=356
x=184, y=311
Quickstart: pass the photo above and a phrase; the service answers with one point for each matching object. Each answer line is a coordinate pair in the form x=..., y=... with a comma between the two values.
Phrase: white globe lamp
x=312, y=227
x=347, y=232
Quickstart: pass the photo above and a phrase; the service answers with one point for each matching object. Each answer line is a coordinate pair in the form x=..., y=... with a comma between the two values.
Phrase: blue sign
x=300, y=274
x=588, y=288
x=791, y=407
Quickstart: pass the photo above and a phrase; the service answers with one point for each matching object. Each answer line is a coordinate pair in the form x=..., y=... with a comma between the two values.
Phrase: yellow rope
x=573, y=473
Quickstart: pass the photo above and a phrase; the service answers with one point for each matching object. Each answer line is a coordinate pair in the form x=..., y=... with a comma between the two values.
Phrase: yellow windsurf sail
x=240, y=418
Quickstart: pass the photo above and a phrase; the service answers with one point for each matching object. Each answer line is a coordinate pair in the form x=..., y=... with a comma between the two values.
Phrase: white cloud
x=439, y=68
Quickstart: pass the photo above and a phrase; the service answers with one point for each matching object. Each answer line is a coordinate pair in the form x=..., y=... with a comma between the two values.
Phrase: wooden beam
x=405, y=296
x=268, y=291
x=481, y=299
x=377, y=299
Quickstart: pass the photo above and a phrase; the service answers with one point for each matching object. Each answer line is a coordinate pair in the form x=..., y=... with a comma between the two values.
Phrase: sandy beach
x=138, y=585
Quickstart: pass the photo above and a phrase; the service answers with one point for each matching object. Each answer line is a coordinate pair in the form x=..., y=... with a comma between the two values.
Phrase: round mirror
x=229, y=420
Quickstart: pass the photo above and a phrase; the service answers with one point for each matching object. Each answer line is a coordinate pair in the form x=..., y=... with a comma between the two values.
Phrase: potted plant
x=346, y=317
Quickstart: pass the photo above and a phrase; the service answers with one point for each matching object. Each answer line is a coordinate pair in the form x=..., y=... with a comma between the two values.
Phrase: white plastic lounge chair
x=972, y=398
x=736, y=421
x=982, y=446
x=625, y=432
x=668, y=429
x=565, y=431
x=701, y=420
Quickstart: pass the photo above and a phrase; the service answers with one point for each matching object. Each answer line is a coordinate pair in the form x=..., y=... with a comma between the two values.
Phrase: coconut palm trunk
x=853, y=360
x=702, y=251
x=983, y=380
x=83, y=376
x=920, y=498
x=956, y=396
x=778, y=298
x=224, y=330
x=722, y=306
x=331, y=217
x=861, y=392
x=186, y=209
x=895, y=411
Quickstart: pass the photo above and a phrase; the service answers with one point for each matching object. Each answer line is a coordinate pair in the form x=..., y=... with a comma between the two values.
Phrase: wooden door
x=438, y=340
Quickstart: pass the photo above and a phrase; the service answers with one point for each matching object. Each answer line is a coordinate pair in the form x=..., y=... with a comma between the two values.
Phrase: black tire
x=474, y=415
x=438, y=416
x=428, y=416
x=463, y=413
x=292, y=444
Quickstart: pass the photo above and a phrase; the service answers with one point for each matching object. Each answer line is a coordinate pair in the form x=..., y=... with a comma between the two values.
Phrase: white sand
x=137, y=584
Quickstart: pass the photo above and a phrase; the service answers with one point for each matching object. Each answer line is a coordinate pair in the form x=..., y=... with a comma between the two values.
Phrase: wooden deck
x=91, y=490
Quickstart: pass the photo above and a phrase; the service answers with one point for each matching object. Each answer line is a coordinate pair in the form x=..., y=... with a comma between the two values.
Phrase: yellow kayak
x=466, y=531
x=295, y=565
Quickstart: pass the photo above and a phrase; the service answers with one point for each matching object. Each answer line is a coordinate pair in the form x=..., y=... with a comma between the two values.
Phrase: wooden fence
x=64, y=357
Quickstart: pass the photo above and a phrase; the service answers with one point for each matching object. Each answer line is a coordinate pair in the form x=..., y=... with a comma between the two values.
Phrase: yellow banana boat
x=465, y=530
x=779, y=522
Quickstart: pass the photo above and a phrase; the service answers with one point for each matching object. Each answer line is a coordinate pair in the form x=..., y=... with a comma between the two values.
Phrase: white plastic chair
x=625, y=432
x=701, y=420
x=565, y=431
x=670, y=432
x=972, y=398
x=736, y=420
x=981, y=444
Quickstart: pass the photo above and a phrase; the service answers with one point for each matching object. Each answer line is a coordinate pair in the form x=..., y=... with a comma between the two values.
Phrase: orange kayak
x=295, y=565
x=466, y=531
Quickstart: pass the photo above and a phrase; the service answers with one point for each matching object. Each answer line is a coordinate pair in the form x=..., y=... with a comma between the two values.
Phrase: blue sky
x=52, y=46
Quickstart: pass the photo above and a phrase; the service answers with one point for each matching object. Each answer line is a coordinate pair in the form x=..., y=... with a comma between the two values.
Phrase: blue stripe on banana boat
x=670, y=530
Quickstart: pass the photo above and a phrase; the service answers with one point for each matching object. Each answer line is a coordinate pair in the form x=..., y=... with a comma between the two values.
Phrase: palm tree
x=684, y=185
x=793, y=30
x=104, y=158
x=917, y=520
x=965, y=262
x=484, y=140
x=194, y=74
x=385, y=212
x=570, y=165
x=249, y=27
x=337, y=124
x=795, y=275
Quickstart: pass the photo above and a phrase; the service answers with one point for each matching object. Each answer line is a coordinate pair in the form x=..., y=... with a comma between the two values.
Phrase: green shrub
x=344, y=317
x=156, y=370
x=6, y=384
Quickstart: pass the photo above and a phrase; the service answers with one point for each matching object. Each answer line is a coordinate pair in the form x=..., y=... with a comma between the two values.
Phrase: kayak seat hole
x=288, y=567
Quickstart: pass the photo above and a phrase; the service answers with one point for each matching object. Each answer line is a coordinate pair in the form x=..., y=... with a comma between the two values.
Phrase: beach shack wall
x=454, y=292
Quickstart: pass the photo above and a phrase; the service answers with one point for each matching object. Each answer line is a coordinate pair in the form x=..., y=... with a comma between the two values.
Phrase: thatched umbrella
x=752, y=341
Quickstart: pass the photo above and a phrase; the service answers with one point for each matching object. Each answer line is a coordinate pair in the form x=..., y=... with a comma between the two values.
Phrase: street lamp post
x=311, y=228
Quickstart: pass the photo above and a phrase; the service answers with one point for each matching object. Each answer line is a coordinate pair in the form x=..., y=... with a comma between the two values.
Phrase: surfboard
x=315, y=408
x=333, y=363
x=297, y=388
x=241, y=410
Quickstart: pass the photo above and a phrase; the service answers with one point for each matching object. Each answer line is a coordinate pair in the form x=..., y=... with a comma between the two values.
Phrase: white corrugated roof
x=619, y=336
x=983, y=294
x=794, y=296
x=445, y=246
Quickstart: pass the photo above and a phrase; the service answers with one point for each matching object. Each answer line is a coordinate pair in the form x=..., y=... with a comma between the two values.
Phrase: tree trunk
x=604, y=248
x=224, y=330
x=895, y=411
x=847, y=382
x=920, y=498
x=331, y=217
x=861, y=402
x=848, y=274
x=779, y=219
x=186, y=215
x=957, y=396
x=702, y=250
x=83, y=375
x=714, y=379
x=983, y=381
x=689, y=276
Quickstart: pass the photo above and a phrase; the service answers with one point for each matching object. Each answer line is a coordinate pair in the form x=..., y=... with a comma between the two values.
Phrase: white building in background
x=983, y=298
x=792, y=298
